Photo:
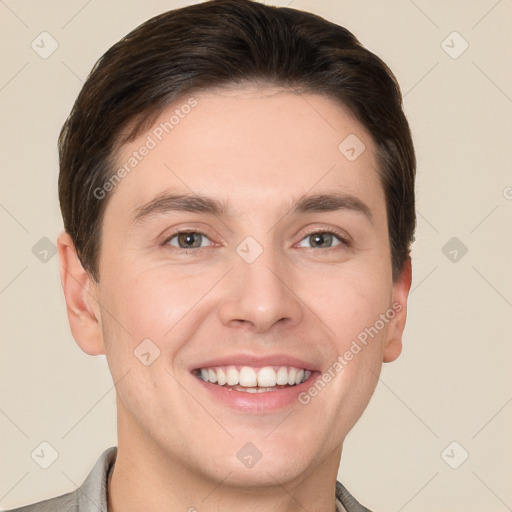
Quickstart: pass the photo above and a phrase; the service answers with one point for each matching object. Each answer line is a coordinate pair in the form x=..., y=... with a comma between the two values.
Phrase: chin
x=261, y=462
x=267, y=472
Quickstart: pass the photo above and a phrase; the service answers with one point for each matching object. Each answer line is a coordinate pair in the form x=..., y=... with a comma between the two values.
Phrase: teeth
x=254, y=380
x=221, y=377
x=232, y=376
x=266, y=377
x=255, y=390
x=282, y=376
x=248, y=377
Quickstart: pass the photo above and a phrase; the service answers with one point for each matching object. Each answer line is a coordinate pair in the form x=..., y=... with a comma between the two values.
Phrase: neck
x=144, y=478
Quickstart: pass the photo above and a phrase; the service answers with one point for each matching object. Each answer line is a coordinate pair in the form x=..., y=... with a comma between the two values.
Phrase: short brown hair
x=228, y=42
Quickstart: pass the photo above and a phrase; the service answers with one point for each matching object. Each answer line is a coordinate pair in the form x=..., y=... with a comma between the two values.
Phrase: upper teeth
x=268, y=376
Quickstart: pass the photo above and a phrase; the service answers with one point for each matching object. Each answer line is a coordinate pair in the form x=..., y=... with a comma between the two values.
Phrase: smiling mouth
x=253, y=380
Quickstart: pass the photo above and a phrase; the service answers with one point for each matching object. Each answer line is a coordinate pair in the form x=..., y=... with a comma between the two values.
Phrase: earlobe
x=80, y=293
x=393, y=344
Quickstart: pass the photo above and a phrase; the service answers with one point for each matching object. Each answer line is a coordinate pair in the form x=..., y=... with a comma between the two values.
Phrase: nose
x=260, y=295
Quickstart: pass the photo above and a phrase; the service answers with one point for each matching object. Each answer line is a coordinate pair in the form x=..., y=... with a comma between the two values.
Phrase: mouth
x=250, y=379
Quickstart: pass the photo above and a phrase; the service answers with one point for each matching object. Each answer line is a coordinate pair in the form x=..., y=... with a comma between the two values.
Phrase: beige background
x=453, y=379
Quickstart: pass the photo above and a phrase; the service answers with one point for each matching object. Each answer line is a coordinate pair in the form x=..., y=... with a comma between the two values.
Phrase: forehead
x=255, y=145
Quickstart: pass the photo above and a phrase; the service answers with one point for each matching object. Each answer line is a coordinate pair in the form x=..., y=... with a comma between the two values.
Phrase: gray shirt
x=91, y=496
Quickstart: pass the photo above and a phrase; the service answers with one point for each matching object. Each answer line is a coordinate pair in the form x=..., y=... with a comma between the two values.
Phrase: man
x=237, y=187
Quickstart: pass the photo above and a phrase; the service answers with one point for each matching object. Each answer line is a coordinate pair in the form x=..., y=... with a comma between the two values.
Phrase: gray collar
x=92, y=494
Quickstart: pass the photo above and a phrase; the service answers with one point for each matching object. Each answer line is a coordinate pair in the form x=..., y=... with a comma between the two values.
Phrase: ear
x=393, y=344
x=81, y=294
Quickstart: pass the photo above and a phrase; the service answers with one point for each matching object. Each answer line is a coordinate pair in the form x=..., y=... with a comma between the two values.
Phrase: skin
x=259, y=148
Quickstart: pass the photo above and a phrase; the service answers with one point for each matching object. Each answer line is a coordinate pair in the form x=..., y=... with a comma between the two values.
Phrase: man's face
x=262, y=284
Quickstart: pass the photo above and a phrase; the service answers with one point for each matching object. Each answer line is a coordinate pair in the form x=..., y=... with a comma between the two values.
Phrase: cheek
x=151, y=303
x=351, y=302
x=353, y=307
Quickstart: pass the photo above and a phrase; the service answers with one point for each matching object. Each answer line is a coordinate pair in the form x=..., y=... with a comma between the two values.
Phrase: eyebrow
x=168, y=202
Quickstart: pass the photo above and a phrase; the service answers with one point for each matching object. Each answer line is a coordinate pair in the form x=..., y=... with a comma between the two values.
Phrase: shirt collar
x=92, y=494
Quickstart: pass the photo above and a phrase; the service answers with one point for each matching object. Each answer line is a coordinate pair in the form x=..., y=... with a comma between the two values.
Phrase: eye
x=324, y=239
x=187, y=240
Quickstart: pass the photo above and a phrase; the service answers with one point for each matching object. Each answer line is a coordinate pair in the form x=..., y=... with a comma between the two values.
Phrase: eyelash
x=343, y=240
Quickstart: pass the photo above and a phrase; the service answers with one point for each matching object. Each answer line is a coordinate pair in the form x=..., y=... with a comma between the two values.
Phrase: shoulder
x=348, y=501
x=91, y=496
x=64, y=503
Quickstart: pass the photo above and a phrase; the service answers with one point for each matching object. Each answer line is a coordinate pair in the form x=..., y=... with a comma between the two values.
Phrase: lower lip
x=266, y=402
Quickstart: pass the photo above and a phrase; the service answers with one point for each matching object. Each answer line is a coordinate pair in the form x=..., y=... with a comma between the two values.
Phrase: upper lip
x=256, y=361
